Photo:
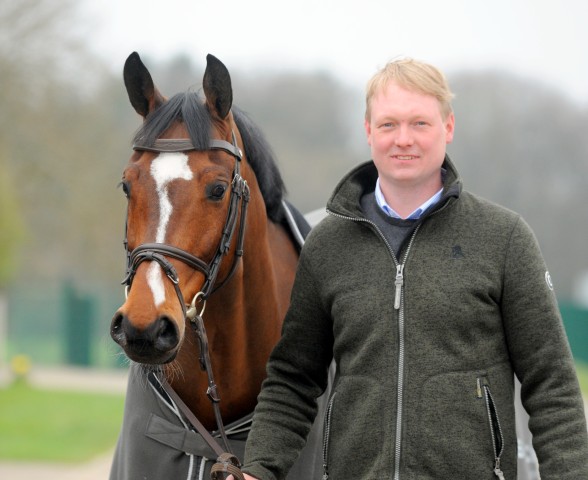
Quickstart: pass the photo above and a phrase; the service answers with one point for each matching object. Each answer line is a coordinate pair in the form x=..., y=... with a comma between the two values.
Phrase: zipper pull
x=398, y=283
x=478, y=388
x=497, y=470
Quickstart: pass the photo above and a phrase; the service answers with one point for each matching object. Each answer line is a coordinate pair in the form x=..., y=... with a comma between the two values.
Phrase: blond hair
x=412, y=75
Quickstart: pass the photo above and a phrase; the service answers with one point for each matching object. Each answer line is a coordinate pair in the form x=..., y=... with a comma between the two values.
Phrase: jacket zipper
x=326, y=437
x=398, y=305
x=483, y=391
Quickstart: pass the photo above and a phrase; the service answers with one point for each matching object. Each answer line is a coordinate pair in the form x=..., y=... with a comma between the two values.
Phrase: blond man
x=430, y=300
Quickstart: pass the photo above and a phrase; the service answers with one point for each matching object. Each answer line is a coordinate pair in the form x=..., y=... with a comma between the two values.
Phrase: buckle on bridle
x=240, y=187
x=168, y=268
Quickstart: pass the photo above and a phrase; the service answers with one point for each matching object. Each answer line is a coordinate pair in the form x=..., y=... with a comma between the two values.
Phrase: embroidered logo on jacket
x=456, y=252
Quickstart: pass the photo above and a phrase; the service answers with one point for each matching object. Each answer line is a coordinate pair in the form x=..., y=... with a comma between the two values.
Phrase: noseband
x=159, y=251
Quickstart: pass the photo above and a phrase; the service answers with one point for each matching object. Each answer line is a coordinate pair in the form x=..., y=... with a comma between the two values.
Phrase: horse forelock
x=189, y=108
x=186, y=107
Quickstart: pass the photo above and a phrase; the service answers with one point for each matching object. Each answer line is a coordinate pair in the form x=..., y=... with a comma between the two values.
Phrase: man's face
x=408, y=136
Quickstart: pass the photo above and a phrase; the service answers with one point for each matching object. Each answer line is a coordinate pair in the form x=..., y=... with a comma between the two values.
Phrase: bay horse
x=205, y=232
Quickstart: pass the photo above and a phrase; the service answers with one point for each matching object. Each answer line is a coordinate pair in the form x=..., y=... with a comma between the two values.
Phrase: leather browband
x=172, y=145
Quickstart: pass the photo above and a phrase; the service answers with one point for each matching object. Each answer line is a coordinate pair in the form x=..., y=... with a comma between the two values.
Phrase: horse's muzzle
x=156, y=344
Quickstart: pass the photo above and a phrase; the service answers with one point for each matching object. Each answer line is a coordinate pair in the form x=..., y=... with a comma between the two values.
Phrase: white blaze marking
x=164, y=169
x=155, y=282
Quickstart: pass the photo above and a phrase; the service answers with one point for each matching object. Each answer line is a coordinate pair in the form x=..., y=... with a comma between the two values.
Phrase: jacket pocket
x=456, y=431
x=496, y=435
x=357, y=430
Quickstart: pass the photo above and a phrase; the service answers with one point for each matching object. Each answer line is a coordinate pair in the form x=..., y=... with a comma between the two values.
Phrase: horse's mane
x=189, y=108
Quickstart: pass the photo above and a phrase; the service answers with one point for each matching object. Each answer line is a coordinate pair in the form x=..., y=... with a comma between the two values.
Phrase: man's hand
x=247, y=477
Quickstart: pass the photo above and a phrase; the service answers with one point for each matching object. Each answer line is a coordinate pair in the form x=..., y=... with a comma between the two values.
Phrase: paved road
x=97, y=469
x=79, y=379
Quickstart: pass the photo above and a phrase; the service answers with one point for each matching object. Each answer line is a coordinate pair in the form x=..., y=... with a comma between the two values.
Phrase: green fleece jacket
x=426, y=347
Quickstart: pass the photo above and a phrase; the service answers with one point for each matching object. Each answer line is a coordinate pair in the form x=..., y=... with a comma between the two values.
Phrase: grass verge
x=57, y=426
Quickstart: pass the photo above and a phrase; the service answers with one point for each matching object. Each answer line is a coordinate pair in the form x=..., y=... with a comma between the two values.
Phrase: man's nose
x=404, y=137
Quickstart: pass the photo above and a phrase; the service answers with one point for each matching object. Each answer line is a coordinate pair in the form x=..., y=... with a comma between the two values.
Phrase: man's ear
x=368, y=131
x=449, y=127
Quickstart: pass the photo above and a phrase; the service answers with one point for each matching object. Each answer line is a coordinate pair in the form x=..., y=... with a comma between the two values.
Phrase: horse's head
x=186, y=195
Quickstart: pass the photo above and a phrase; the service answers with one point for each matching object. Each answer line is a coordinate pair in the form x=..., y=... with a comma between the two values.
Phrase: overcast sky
x=543, y=39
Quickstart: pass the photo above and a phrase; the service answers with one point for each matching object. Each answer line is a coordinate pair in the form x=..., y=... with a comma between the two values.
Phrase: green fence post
x=79, y=318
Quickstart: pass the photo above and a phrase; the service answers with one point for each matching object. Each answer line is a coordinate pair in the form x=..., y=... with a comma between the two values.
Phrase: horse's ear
x=217, y=86
x=143, y=94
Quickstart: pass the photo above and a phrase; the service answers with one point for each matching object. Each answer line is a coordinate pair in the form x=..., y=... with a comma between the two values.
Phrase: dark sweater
x=397, y=231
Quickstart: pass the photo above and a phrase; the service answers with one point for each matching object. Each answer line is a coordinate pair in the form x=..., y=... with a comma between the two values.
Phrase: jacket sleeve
x=542, y=361
x=297, y=374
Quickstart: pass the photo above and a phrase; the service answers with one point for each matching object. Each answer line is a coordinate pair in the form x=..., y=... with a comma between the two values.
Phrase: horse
x=211, y=259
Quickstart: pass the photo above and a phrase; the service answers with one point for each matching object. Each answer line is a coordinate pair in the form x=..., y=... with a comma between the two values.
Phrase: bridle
x=160, y=252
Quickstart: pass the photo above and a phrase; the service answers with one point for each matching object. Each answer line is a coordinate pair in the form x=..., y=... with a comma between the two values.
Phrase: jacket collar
x=360, y=181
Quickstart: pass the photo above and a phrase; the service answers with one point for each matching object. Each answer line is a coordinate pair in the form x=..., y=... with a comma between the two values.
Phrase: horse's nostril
x=116, y=330
x=166, y=334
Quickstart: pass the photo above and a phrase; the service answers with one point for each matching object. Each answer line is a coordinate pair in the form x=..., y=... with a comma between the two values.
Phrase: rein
x=226, y=462
x=158, y=252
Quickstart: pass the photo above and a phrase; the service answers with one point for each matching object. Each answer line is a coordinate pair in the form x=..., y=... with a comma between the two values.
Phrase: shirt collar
x=414, y=215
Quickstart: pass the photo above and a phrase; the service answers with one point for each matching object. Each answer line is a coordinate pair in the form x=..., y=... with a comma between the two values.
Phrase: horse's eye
x=217, y=191
x=126, y=189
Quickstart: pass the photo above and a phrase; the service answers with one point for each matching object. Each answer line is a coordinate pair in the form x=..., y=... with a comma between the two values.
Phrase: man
x=429, y=299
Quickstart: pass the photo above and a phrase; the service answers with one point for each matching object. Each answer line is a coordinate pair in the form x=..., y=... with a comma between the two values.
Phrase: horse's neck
x=243, y=322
